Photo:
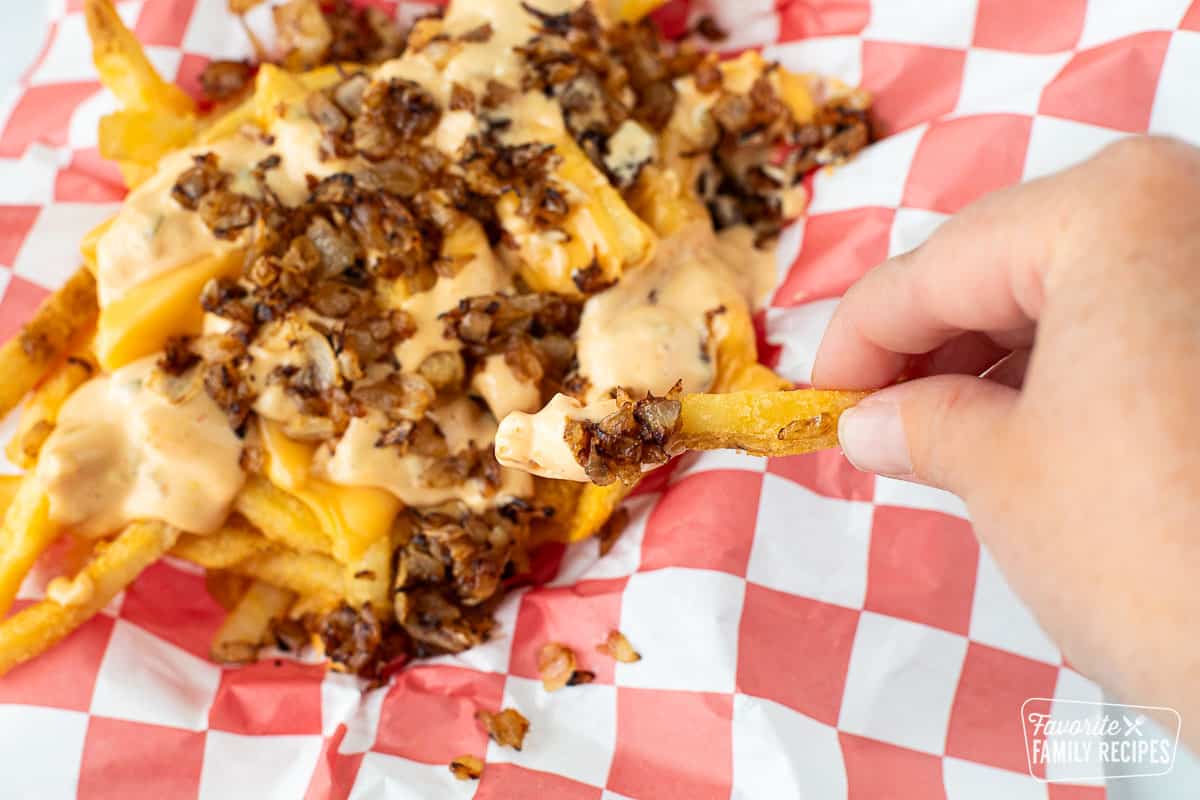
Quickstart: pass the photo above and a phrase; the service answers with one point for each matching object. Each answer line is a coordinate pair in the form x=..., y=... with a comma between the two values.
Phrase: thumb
x=945, y=431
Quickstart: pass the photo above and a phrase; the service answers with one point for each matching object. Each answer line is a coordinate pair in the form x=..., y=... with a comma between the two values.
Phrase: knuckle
x=1148, y=156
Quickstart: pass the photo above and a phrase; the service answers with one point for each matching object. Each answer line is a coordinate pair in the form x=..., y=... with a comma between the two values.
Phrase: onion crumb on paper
x=467, y=767
x=617, y=646
x=556, y=666
x=507, y=728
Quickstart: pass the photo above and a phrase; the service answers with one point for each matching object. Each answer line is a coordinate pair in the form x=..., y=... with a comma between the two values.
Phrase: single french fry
x=41, y=412
x=143, y=137
x=248, y=624
x=234, y=543
x=123, y=66
x=9, y=485
x=737, y=355
x=302, y=573
x=62, y=318
x=763, y=423
x=113, y=567
x=225, y=587
x=24, y=534
x=281, y=517
x=369, y=579
x=596, y=504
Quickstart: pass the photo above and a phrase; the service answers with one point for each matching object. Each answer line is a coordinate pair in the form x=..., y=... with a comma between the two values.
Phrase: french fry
x=369, y=579
x=302, y=573
x=113, y=567
x=9, y=485
x=24, y=534
x=41, y=412
x=143, y=137
x=123, y=66
x=225, y=587
x=596, y=504
x=281, y=517
x=763, y=423
x=62, y=318
x=737, y=355
x=234, y=543
x=248, y=624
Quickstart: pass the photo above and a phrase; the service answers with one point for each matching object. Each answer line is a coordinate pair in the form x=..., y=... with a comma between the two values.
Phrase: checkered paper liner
x=806, y=629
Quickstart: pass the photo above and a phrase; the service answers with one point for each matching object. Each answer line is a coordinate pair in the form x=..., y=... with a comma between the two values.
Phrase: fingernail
x=872, y=437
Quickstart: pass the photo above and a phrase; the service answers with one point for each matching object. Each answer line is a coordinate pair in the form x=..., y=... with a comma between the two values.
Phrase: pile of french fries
x=272, y=559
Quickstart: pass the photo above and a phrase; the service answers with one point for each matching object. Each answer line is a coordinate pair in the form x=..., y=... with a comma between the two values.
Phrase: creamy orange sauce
x=535, y=442
x=356, y=461
x=152, y=234
x=122, y=450
x=502, y=390
x=651, y=328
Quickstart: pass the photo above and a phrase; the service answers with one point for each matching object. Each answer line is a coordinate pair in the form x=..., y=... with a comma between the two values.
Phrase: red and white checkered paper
x=806, y=629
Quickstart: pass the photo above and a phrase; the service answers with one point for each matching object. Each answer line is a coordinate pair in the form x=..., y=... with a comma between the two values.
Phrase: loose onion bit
x=617, y=646
x=467, y=767
x=556, y=666
x=507, y=728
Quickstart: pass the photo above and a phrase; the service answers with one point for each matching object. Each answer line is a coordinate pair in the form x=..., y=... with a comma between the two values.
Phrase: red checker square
x=985, y=721
x=175, y=606
x=428, y=714
x=705, y=521
x=656, y=479
x=135, y=761
x=838, y=249
x=1063, y=791
x=579, y=616
x=803, y=19
x=508, y=781
x=826, y=472
x=960, y=160
x=673, y=745
x=88, y=179
x=334, y=775
x=1112, y=85
x=17, y=305
x=911, y=83
x=15, y=224
x=164, y=23
x=272, y=697
x=922, y=567
x=40, y=682
x=804, y=669
x=879, y=771
x=1191, y=20
x=42, y=115
x=188, y=76
x=1029, y=26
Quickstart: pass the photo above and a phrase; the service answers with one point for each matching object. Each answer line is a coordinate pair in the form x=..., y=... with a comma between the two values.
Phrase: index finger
x=981, y=271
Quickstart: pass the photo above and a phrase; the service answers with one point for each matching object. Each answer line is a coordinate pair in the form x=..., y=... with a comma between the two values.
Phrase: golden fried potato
x=248, y=624
x=65, y=317
x=72, y=602
x=123, y=65
x=763, y=423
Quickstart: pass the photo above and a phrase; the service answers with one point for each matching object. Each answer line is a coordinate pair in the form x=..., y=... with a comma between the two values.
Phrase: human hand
x=1078, y=454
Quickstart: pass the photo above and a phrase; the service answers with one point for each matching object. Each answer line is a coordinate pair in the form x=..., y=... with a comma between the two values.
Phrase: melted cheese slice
x=353, y=517
x=142, y=320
